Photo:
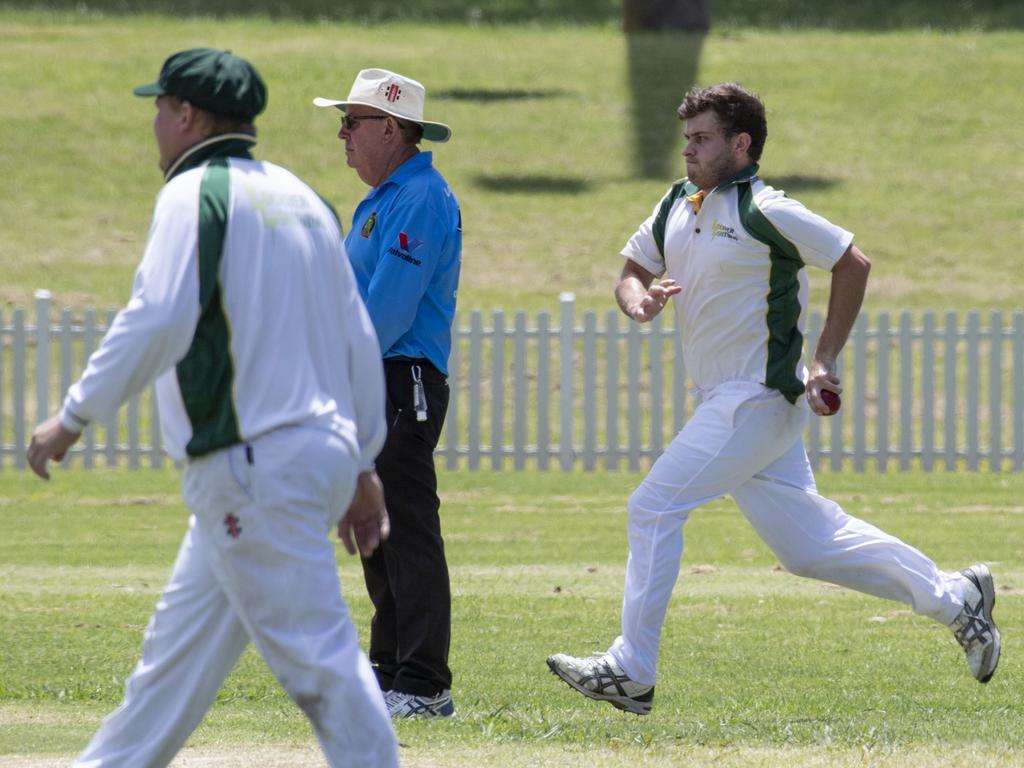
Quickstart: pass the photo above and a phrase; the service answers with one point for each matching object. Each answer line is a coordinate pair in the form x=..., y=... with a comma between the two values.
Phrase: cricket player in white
x=271, y=386
x=734, y=250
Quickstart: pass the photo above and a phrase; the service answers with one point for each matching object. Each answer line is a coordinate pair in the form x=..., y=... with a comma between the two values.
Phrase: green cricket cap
x=217, y=81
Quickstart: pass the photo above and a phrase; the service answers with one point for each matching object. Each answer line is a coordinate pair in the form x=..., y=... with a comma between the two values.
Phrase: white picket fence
x=596, y=392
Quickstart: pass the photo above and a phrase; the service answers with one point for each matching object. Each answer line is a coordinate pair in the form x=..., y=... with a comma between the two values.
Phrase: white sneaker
x=402, y=705
x=974, y=628
x=600, y=677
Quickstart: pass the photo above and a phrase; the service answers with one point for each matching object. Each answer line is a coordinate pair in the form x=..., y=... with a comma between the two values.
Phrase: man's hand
x=654, y=300
x=366, y=518
x=640, y=294
x=822, y=376
x=50, y=440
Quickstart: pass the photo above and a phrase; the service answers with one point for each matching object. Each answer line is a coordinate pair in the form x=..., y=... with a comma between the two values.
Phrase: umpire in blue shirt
x=405, y=246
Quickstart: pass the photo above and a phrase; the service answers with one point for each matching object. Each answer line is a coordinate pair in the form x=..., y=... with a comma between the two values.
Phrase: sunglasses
x=349, y=122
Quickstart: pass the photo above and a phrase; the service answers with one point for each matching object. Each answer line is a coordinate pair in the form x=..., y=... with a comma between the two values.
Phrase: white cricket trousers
x=745, y=440
x=256, y=564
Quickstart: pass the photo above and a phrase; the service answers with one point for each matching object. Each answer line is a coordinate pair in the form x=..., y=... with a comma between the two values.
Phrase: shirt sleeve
x=820, y=242
x=413, y=235
x=643, y=249
x=155, y=328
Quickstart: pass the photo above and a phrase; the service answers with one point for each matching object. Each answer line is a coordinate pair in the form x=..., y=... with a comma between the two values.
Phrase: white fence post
x=611, y=354
x=589, y=392
x=928, y=392
x=655, y=414
x=995, y=392
x=543, y=391
x=42, y=339
x=950, y=392
x=476, y=364
x=498, y=390
x=882, y=398
x=452, y=420
x=860, y=370
x=566, y=332
x=18, y=388
x=521, y=413
x=973, y=389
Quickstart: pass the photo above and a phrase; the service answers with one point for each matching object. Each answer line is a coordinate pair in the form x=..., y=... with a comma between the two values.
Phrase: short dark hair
x=737, y=109
x=412, y=133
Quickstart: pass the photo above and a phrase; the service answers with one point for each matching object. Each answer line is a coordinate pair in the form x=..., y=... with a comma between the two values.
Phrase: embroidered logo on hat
x=393, y=92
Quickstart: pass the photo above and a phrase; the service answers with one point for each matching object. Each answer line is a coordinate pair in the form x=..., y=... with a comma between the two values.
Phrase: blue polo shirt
x=405, y=246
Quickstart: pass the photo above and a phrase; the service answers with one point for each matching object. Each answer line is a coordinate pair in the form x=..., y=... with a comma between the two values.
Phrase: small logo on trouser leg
x=232, y=524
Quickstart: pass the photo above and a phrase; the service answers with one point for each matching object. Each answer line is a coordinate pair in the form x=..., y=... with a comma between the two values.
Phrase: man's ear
x=188, y=116
x=741, y=142
x=391, y=128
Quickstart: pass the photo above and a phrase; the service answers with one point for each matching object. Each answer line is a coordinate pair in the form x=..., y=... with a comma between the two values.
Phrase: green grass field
x=906, y=137
x=758, y=668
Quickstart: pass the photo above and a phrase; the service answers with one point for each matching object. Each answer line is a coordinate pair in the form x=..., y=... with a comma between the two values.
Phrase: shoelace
x=604, y=676
x=974, y=627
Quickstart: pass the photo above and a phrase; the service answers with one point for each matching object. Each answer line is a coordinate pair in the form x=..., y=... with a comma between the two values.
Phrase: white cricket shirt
x=739, y=262
x=246, y=308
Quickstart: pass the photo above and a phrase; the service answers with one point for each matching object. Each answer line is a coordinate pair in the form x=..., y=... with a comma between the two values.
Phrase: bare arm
x=849, y=279
x=640, y=296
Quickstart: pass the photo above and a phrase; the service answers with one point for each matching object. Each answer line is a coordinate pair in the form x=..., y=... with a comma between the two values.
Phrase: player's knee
x=644, y=507
x=802, y=565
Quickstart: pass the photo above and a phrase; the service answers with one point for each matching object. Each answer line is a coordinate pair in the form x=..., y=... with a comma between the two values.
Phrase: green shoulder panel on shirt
x=785, y=342
x=680, y=189
x=206, y=374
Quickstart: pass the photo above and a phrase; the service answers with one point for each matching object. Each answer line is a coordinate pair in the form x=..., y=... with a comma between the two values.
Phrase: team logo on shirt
x=405, y=248
x=231, y=523
x=406, y=244
x=720, y=230
x=371, y=222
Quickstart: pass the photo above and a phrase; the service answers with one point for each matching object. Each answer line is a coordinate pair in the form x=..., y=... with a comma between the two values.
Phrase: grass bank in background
x=758, y=668
x=883, y=132
x=779, y=14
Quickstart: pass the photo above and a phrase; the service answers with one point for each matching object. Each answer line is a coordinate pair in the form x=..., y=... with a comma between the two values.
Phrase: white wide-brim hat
x=389, y=92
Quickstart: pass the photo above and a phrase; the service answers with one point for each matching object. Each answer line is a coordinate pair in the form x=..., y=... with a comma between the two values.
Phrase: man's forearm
x=629, y=293
x=849, y=280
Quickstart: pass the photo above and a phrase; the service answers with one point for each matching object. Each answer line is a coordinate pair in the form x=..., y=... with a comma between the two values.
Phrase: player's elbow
x=859, y=260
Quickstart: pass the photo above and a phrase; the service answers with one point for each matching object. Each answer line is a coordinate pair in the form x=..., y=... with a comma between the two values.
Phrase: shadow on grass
x=488, y=95
x=662, y=67
x=799, y=183
x=533, y=184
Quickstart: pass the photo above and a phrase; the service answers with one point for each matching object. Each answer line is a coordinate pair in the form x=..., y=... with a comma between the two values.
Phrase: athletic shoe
x=402, y=705
x=974, y=628
x=600, y=677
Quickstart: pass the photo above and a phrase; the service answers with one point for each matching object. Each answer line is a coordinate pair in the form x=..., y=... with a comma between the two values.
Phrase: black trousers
x=407, y=577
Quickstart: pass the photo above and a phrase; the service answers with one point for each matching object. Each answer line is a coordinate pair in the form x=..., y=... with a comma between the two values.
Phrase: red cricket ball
x=832, y=400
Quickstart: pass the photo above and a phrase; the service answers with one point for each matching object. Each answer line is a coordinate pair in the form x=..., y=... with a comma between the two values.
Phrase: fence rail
x=596, y=392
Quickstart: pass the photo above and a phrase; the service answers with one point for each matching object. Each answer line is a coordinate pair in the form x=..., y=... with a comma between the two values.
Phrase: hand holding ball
x=832, y=400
